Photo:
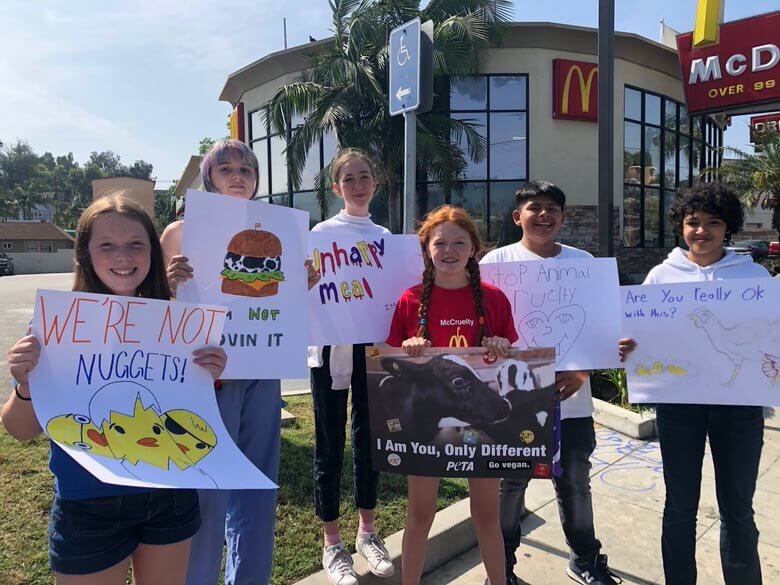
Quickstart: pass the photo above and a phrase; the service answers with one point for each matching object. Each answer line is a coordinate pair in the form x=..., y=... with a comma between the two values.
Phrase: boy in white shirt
x=540, y=212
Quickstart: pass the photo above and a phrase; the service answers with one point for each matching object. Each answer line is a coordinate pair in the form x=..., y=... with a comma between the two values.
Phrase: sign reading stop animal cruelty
x=362, y=278
x=116, y=388
x=462, y=413
x=715, y=342
x=249, y=256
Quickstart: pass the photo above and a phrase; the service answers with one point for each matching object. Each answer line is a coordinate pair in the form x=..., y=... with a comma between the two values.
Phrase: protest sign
x=571, y=305
x=116, y=388
x=249, y=257
x=362, y=279
x=459, y=412
x=713, y=342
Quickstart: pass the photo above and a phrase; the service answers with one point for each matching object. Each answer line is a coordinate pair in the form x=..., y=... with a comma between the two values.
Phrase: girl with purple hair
x=251, y=411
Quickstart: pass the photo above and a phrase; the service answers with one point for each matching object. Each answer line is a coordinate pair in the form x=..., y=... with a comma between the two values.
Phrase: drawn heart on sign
x=560, y=329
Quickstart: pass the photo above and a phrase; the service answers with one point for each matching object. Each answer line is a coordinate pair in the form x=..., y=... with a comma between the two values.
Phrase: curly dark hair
x=715, y=198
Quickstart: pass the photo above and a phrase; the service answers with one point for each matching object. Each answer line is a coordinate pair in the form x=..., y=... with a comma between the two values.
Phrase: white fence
x=42, y=262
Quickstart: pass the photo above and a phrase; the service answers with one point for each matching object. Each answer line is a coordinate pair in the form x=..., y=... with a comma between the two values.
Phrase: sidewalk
x=628, y=499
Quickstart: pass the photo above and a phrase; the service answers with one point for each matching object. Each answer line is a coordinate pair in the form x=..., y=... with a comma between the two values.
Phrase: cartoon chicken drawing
x=77, y=430
x=130, y=419
x=194, y=437
x=748, y=341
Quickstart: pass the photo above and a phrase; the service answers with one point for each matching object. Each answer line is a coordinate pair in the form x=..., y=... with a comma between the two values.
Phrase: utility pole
x=606, y=116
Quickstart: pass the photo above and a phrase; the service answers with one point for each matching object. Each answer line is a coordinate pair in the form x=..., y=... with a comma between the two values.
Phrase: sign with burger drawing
x=249, y=256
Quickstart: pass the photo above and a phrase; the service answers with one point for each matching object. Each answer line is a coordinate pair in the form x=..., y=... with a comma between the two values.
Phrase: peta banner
x=361, y=280
x=571, y=305
x=116, y=389
x=715, y=342
x=458, y=412
x=249, y=256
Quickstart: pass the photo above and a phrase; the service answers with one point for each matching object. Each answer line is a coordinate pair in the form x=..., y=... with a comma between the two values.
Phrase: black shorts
x=88, y=536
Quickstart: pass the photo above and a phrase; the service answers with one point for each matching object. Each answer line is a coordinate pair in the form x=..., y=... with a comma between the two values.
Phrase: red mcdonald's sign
x=741, y=69
x=575, y=90
x=760, y=125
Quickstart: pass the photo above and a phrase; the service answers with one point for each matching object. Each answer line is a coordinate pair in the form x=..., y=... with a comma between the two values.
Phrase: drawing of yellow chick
x=676, y=370
x=641, y=370
x=77, y=430
x=193, y=435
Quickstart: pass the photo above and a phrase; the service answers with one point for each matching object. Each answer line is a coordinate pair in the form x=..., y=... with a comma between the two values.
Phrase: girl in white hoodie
x=334, y=369
x=706, y=216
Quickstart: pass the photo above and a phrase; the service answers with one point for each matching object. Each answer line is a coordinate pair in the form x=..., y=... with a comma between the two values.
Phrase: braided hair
x=461, y=218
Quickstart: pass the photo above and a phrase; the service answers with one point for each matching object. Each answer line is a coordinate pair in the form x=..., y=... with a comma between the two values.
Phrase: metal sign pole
x=410, y=171
x=606, y=117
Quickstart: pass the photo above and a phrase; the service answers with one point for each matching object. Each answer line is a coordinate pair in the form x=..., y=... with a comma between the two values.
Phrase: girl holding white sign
x=97, y=528
x=706, y=216
x=452, y=308
x=335, y=369
x=250, y=409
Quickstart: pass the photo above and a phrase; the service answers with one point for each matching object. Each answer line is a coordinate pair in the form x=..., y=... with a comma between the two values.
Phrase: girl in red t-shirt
x=452, y=308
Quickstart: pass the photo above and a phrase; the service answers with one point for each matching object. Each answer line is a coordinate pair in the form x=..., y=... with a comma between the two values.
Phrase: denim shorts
x=87, y=536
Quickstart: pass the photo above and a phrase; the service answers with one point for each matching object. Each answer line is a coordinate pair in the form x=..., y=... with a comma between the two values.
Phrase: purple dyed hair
x=223, y=151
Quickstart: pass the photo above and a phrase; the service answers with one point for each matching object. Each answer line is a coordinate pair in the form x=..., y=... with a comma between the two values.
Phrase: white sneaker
x=337, y=563
x=373, y=549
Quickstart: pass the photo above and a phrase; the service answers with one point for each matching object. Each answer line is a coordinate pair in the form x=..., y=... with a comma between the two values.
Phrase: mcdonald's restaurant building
x=536, y=105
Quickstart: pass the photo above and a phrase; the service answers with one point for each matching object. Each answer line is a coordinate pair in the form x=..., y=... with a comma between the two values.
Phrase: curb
x=452, y=534
x=634, y=424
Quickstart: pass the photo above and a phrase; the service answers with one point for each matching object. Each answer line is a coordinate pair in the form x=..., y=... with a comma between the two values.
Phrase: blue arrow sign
x=405, y=67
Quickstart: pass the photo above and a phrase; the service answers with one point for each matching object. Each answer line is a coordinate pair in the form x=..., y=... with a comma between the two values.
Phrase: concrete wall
x=40, y=263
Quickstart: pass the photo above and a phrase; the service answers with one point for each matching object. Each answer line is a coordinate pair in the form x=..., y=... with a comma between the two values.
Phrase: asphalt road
x=17, y=297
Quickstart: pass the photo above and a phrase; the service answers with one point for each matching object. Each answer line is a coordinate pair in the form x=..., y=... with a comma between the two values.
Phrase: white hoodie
x=340, y=361
x=677, y=268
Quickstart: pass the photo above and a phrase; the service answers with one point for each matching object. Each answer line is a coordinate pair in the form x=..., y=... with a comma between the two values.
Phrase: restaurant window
x=664, y=149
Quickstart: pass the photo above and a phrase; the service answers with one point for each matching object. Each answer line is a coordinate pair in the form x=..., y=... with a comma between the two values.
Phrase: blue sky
x=143, y=77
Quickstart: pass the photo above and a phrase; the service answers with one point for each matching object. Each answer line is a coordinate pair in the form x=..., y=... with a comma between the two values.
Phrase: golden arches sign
x=458, y=340
x=709, y=17
x=585, y=87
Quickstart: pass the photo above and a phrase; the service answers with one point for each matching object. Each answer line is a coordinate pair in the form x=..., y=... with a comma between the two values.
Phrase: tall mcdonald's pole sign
x=575, y=90
x=732, y=67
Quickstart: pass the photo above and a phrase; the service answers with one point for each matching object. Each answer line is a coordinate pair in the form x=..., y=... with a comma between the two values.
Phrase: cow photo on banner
x=116, y=388
x=249, y=256
x=459, y=412
x=715, y=342
x=571, y=305
x=361, y=279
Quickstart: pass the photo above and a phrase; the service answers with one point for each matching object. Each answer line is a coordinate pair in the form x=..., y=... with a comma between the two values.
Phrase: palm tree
x=345, y=92
x=26, y=198
x=756, y=175
x=7, y=207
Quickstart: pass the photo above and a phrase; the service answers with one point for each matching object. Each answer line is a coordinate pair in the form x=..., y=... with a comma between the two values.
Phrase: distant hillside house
x=16, y=237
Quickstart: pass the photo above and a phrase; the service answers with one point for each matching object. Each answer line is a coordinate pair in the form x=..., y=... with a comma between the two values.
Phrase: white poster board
x=571, y=305
x=116, y=388
x=361, y=281
x=715, y=342
x=249, y=256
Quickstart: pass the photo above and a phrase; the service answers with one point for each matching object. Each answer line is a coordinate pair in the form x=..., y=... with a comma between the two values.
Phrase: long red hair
x=461, y=218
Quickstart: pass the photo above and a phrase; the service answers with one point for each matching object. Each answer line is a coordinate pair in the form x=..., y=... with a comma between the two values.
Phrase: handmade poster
x=116, y=388
x=715, y=342
x=459, y=412
x=361, y=280
x=249, y=256
x=571, y=305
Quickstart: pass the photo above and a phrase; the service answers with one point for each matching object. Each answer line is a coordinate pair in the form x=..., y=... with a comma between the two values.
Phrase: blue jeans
x=245, y=519
x=572, y=488
x=330, y=419
x=736, y=435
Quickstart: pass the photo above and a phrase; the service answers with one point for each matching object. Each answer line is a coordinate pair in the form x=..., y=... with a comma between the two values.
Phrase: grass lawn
x=26, y=492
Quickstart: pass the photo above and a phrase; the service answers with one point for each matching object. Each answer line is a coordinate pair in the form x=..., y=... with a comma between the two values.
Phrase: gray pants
x=572, y=488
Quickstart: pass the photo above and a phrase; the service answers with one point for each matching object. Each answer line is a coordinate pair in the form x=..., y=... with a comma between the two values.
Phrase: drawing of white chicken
x=748, y=341
x=771, y=368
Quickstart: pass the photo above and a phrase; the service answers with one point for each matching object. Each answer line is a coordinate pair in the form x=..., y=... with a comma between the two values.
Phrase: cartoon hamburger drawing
x=253, y=264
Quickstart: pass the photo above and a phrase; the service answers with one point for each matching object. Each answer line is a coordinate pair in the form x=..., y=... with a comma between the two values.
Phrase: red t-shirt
x=452, y=316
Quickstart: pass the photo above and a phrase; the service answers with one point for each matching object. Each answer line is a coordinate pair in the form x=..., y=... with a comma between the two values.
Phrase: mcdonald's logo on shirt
x=575, y=90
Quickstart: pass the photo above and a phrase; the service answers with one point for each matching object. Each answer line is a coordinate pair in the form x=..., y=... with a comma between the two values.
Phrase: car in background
x=774, y=249
x=758, y=249
x=6, y=265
